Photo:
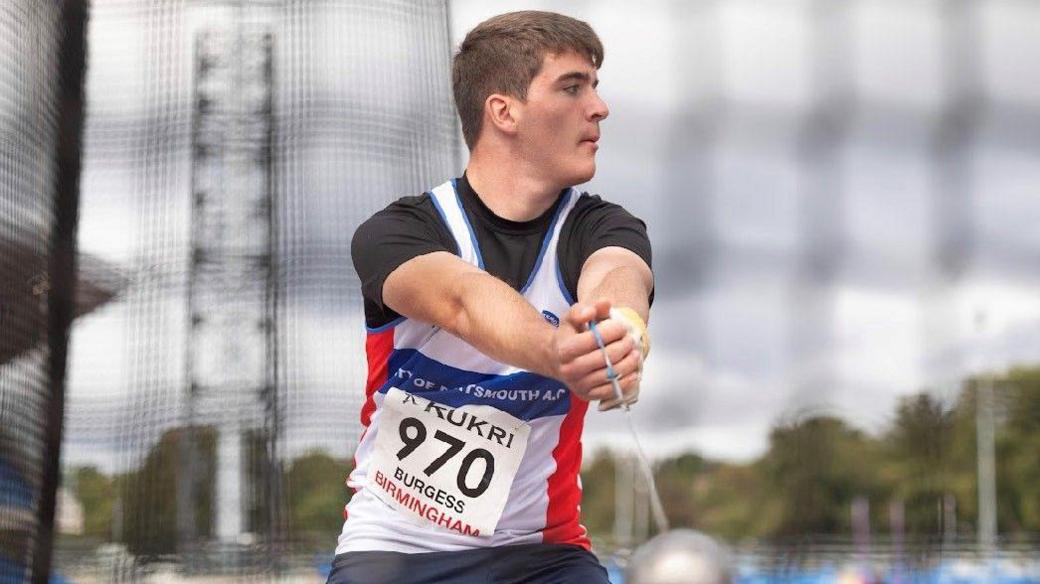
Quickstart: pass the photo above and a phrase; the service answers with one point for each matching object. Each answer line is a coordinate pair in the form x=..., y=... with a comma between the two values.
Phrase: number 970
x=413, y=433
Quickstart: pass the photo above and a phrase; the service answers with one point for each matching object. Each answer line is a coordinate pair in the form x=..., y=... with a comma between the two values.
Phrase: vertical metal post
x=231, y=381
x=987, y=479
x=623, y=500
x=859, y=513
x=897, y=528
x=72, y=52
x=641, y=514
x=949, y=518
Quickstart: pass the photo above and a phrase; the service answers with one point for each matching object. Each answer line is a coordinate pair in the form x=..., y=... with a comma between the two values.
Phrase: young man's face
x=559, y=122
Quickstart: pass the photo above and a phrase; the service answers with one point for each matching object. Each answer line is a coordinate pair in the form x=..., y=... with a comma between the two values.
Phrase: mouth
x=592, y=140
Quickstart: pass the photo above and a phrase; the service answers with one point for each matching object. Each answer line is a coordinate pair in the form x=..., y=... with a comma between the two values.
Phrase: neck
x=509, y=185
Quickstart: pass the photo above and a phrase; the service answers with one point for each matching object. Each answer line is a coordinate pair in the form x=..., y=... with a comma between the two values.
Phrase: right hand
x=580, y=363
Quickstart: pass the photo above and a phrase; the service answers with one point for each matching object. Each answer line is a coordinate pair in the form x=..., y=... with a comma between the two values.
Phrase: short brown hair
x=504, y=53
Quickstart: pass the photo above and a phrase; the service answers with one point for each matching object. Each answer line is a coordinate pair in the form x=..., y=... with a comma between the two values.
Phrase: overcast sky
x=730, y=353
x=706, y=141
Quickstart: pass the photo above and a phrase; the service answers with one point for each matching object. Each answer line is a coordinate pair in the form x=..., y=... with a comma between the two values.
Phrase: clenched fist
x=580, y=363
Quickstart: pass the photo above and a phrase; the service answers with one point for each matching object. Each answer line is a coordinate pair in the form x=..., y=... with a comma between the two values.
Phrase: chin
x=582, y=174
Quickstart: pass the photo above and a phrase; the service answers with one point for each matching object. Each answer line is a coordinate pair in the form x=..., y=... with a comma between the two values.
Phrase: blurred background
x=842, y=198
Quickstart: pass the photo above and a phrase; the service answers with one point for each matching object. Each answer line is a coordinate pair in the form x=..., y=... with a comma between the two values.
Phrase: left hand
x=635, y=330
x=582, y=367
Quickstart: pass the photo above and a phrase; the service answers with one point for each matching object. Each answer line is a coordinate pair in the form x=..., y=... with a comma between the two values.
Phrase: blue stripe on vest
x=523, y=395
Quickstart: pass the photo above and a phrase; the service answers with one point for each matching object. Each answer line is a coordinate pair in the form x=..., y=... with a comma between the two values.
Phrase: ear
x=502, y=112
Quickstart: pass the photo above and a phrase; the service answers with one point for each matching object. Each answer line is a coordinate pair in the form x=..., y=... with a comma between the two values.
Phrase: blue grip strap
x=611, y=374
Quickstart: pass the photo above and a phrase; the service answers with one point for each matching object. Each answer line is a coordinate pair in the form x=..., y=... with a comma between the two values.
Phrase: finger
x=610, y=330
x=602, y=309
x=579, y=315
x=605, y=393
x=614, y=403
x=625, y=363
x=610, y=404
x=629, y=392
x=583, y=365
x=607, y=405
x=585, y=342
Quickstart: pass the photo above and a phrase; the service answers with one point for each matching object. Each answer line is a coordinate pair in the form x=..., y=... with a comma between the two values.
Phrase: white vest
x=424, y=360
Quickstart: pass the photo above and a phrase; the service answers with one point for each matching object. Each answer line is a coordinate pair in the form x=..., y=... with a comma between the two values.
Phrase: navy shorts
x=528, y=564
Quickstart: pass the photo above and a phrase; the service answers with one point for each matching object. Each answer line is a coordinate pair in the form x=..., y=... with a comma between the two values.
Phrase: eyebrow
x=576, y=76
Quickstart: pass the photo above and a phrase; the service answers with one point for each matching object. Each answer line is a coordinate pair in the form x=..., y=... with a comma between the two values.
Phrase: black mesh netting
x=30, y=91
x=229, y=151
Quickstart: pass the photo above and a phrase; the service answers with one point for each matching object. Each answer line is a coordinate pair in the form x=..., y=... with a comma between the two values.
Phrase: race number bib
x=446, y=466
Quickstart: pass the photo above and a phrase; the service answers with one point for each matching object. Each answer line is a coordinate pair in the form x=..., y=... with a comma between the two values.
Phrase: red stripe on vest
x=378, y=347
x=562, y=517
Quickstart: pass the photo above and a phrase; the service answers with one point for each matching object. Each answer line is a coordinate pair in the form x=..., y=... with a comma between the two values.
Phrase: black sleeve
x=407, y=228
x=592, y=225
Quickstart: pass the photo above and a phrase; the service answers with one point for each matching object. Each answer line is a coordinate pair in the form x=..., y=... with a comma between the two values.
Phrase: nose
x=599, y=110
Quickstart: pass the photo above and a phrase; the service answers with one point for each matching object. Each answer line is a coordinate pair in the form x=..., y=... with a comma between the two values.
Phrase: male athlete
x=478, y=298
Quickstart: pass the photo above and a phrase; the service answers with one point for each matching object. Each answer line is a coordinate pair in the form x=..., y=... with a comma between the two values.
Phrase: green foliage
x=95, y=492
x=681, y=487
x=804, y=484
x=1018, y=452
x=140, y=507
x=737, y=503
x=924, y=460
x=597, y=493
x=919, y=458
x=149, y=495
x=316, y=498
x=817, y=466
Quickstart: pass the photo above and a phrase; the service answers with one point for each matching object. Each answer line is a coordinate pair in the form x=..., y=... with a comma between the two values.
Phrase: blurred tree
x=817, y=466
x=1017, y=404
x=316, y=493
x=680, y=482
x=263, y=480
x=735, y=502
x=597, y=494
x=1018, y=451
x=919, y=448
x=149, y=494
x=95, y=493
x=720, y=498
x=802, y=486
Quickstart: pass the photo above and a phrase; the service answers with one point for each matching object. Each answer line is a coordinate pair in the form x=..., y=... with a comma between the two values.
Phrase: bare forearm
x=623, y=286
x=502, y=324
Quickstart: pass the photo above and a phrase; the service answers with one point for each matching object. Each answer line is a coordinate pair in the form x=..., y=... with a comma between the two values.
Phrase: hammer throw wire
x=655, y=499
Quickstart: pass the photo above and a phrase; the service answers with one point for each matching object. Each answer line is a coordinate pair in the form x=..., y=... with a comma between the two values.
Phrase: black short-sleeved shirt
x=411, y=226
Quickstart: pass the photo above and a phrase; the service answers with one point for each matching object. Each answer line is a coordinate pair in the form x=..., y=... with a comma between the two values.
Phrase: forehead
x=556, y=64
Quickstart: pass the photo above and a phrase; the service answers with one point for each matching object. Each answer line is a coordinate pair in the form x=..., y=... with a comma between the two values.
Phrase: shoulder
x=405, y=209
x=594, y=219
x=407, y=217
x=404, y=229
x=593, y=207
x=595, y=223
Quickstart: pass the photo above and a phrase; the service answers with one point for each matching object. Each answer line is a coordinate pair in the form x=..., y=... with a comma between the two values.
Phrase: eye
x=572, y=89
